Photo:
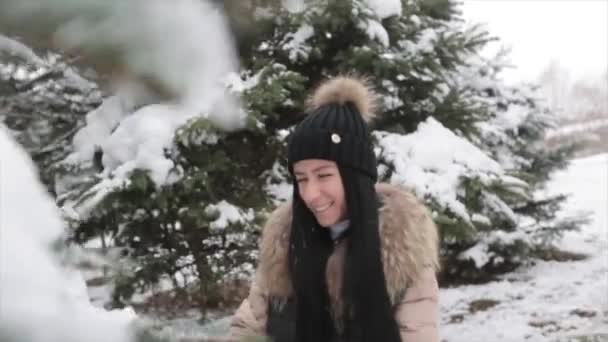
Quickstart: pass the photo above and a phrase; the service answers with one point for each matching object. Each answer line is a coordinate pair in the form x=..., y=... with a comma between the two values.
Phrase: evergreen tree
x=425, y=63
x=43, y=100
x=514, y=137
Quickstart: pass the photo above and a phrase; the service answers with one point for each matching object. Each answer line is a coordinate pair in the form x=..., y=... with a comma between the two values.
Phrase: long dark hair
x=368, y=314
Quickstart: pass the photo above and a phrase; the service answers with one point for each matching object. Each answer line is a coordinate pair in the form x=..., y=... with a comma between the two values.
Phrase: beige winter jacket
x=410, y=256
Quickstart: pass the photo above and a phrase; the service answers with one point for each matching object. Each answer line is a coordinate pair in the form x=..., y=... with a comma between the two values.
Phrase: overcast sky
x=572, y=32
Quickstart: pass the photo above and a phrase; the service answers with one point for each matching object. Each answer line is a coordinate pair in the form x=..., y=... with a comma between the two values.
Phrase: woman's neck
x=338, y=228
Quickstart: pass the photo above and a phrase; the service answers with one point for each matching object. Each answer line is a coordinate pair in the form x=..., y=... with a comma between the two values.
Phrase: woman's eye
x=325, y=175
x=300, y=180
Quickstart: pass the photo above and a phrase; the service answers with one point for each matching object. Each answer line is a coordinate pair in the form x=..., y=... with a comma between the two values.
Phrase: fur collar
x=408, y=236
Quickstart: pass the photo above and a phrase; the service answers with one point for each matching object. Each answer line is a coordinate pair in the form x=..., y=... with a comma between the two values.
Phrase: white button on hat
x=335, y=137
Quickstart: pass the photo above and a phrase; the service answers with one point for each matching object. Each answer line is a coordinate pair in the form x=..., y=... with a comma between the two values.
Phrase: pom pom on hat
x=346, y=89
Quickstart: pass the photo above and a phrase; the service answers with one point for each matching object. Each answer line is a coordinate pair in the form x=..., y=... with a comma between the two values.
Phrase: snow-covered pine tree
x=43, y=100
x=514, y=137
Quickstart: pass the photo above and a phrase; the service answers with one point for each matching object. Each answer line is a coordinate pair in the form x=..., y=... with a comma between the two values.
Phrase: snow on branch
x=17, y=49
x=433, y=160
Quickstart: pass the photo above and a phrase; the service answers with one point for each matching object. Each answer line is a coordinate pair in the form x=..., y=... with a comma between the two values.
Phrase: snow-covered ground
x=551, y=301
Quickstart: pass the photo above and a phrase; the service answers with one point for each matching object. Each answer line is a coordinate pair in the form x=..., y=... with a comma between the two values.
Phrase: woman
x=346, y=259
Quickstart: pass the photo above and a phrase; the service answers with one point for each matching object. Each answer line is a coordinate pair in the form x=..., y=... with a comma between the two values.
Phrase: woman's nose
x=311, y=191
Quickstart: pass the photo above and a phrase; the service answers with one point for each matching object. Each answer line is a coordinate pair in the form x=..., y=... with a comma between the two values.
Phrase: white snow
x=480, y=254
x=228, y=214
x=294, y=6
x=512, y=118
x=385, y=8
x=170, y=44
x=586, y=181
x=540, y=303
x=99, y=126
x=481, y=219
x=426, y=42
x=415, y=19
x=168, y=41
x=235, y=83
x=140, y=140
x=16, y=48
x=295, y=43
x=42, y=299
x=392, y=102
x=277, y=186
x=375, y=31
x=432, y=160
x=165, y=44
x=493, y=202
x=180, y=48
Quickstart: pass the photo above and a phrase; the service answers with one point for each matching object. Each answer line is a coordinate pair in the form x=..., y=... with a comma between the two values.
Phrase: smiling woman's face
x=321, y=189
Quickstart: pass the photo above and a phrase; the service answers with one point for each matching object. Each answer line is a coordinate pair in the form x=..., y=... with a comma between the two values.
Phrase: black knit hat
x=336, y=127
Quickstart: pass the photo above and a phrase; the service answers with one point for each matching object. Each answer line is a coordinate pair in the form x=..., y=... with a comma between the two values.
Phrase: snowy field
x=552, y=301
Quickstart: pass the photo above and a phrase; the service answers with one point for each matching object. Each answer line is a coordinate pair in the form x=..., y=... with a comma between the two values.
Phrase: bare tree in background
x=554, y=81
x=575, y=100
x=582, y=107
